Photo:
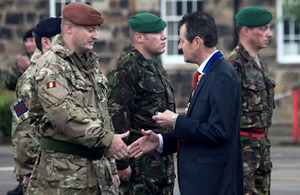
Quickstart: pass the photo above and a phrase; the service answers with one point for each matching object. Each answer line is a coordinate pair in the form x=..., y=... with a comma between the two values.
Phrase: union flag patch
x=20, y=108
x=51, y=85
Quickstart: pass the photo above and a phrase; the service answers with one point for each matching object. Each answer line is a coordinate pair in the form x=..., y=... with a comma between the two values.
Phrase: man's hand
x=23, y=63
x=117, y=182
x=125, y=174
x=164, y=119
x=25, y=181
x=118, y=148
x=147, y=143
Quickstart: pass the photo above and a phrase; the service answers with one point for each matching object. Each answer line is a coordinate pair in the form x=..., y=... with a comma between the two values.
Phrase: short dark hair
x=238, y=27
x=200, y=24
x=38, y=42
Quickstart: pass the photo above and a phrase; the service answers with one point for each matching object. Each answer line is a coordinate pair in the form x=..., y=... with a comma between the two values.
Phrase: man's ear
x=197, y=42
x=245, y=31
x=139, y=37
x=69, y=28
x=46, y=42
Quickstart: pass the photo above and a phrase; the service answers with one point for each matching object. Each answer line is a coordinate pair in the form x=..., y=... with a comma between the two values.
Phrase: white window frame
x=282, y=57
x=63, y=2
x=174, y=59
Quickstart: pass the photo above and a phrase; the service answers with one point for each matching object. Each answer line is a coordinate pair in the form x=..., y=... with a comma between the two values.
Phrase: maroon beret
x=82, y=14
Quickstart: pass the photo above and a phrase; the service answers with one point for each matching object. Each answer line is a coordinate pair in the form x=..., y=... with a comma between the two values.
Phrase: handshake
x=147, y=143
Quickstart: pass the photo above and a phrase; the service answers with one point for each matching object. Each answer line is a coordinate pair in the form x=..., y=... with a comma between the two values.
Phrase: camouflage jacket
x=25, y=139
x=136, y=91
x=72, y=94
x=257, y=89
x=14, y=74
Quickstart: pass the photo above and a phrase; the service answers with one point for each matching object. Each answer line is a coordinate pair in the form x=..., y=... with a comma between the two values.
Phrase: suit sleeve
x=170, y=143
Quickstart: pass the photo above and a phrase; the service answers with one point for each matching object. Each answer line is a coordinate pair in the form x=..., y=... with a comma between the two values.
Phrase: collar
x=202, y=66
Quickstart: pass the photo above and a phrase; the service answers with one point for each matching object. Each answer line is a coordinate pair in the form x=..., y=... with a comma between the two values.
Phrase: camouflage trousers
x=58, y=173
x=256, y=165
x=151, y=174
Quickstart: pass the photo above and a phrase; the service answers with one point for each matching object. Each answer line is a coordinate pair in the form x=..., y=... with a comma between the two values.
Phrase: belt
x=254, y=132
x=47, y=143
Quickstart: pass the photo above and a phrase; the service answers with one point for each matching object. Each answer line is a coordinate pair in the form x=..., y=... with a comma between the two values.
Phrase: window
x=56, y=6
x=288, y=28
x=172, y=11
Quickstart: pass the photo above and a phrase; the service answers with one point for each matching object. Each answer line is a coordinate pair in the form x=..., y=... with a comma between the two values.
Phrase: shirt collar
x=202, y=66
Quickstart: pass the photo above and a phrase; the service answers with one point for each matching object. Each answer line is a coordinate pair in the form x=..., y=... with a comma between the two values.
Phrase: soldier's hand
x=23, y=63
x=25, y=181
x=117, y=182
x=118, y=148
x=125, y=174
x=147, y=143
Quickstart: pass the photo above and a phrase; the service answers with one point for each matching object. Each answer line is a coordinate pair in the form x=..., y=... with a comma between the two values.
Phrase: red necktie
x=196, y=79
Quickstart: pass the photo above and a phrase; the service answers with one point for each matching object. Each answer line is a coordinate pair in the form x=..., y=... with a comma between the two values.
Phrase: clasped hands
x=147, y=143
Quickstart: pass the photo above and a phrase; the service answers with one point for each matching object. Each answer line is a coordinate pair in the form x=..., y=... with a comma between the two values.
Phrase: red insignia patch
x=51, y=85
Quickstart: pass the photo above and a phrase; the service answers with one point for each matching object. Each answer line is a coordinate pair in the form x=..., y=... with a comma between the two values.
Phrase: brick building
x=17, y=16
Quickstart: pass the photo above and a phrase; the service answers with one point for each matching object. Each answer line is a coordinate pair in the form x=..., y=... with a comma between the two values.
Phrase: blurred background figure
x=17, y=69
x=22, y=61
x=25, y=139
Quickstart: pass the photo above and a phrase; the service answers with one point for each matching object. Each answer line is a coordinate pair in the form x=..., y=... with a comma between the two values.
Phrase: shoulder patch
x=19, y=110
x=51, y=85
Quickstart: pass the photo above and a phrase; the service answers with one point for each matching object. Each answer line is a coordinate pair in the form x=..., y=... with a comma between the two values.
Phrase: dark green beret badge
x=146, y=22
x=253, y=16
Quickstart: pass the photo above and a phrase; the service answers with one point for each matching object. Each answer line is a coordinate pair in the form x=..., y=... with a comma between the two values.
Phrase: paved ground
x=285, y=156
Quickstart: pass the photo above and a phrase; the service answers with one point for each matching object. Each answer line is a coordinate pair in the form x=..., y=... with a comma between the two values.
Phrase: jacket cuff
x=122, y=164
x=108, y=139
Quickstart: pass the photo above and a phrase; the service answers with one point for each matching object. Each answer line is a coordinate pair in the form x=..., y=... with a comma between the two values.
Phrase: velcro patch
x=19, y=111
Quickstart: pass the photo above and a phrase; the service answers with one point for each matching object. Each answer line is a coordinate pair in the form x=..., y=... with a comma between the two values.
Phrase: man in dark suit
x=207, y=138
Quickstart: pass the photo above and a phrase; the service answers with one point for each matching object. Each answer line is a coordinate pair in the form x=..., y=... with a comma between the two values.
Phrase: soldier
x=206, y=138
x=253, y=27
x=77, y=134
x=22, y=62
x=139, y=87
x=25, y=139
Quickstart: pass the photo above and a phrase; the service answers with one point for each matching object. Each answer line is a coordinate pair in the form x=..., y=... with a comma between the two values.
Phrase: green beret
x=253, y=16
x=82, y=14
x=146, y=22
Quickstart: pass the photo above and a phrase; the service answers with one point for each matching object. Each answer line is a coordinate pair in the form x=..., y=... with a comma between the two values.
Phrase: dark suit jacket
x=210, y=154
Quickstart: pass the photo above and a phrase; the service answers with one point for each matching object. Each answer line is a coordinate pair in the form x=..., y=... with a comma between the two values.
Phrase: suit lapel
x=196, y=93
x=199, y=87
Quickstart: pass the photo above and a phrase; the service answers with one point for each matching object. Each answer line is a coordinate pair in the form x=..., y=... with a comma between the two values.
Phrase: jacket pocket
x=65, y=171
x=217, y=159
x=253, y=93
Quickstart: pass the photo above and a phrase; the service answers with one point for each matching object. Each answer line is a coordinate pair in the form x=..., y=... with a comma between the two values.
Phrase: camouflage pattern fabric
x=151, y=174
x=257, y=109
x=138, y=89
x=256, y=165
x=74, y=104
x=14, y=74
x=257, y=89
x=25, y=139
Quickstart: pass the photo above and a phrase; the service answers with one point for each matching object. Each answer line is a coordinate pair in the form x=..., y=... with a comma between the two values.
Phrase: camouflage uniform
x=137, y=90
x=76, y=128
x=14, y=74
x=25, y=139
x=257, y=108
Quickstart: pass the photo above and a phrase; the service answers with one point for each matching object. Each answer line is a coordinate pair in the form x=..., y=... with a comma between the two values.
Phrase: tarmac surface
x=285, y=156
